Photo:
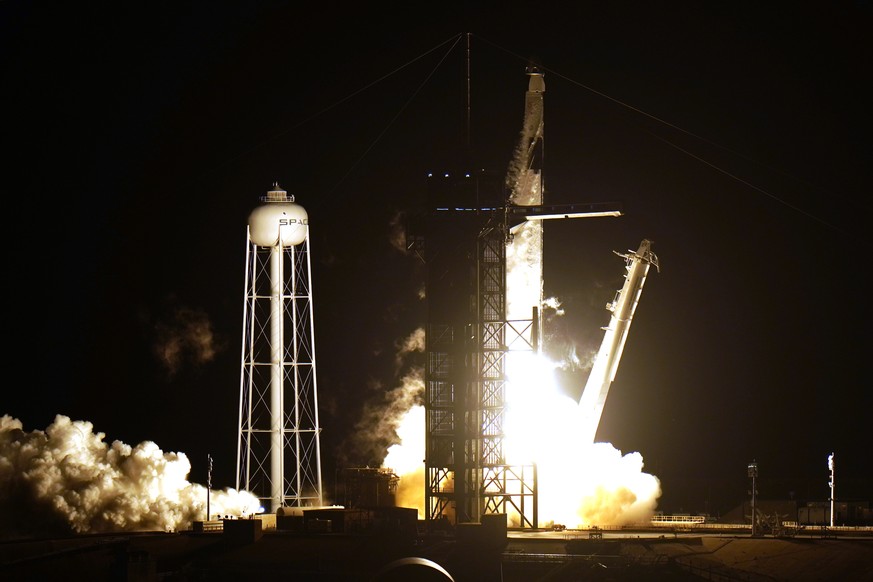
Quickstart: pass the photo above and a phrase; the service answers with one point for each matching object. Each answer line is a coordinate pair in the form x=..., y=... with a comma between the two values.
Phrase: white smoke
x=524, y=271
x=554, y=304
x=397, y=232
x=380, y=419
x=68, y=475
x=406, y=419
x=414, y=342
x=523, y=181
x=560, y=346
x=187, y=336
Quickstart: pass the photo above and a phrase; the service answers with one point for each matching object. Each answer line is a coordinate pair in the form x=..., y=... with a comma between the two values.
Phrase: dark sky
x=736, y=137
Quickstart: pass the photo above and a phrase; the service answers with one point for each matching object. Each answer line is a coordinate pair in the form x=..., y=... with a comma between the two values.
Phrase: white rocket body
x=606, y=363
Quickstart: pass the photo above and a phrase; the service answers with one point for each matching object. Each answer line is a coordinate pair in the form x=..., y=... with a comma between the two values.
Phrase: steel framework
x=463, y=237
x=462, y=241
x=278, y=452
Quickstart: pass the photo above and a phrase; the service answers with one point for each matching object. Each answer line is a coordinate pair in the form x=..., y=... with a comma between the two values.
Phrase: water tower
x=278, y=451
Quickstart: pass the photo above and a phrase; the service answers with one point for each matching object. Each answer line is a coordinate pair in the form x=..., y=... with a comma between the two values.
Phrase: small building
x=369, y=487
x=852, y=513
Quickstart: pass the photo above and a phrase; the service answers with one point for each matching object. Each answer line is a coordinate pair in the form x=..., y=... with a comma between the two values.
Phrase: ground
x=553, y=556
x=792, y=559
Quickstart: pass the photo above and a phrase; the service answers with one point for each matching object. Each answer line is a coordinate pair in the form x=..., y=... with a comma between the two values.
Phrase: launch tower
x=462, y=239
x=475, y=224
x=278, y=451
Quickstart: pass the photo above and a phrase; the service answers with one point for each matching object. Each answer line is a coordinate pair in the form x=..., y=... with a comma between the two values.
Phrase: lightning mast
x=831, y=484
x=278, y=451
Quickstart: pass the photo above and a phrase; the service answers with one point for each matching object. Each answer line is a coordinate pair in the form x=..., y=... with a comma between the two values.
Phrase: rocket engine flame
x=407, y=460
x=68, y=477
x=581, y=483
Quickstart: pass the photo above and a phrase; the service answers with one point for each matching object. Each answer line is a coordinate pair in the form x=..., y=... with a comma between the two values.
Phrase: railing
x=674, y=519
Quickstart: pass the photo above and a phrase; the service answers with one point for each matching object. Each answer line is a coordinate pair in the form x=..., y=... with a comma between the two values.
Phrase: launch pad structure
x=473, y=226
x=462, y=241
x=462, y=236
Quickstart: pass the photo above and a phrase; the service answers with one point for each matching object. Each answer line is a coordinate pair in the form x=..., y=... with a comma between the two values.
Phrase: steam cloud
x=414, y=342
x=187, y=337
x=397, y=233
x=67, y=479
x=376, y=430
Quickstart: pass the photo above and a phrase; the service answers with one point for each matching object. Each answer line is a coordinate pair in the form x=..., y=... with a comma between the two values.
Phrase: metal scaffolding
x=279, y=456
x=462, y=239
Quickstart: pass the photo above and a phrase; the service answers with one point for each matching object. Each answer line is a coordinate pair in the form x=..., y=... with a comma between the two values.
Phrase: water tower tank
x=278, y=218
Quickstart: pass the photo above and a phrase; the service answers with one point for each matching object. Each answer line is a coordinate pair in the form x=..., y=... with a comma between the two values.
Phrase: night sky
x=736, y=137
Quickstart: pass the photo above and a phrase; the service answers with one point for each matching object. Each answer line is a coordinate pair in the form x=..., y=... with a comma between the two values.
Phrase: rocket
x=606, y=363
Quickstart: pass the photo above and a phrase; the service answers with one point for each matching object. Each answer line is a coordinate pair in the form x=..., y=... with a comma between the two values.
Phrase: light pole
x=753, y=473
x=831, y=483
x=208, y=484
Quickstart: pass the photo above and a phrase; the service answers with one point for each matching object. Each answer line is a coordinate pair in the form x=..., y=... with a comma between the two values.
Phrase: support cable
x=402, y=109
x=691, y=134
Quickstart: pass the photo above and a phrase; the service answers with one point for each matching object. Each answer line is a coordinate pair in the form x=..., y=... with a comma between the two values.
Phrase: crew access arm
x=606, y=363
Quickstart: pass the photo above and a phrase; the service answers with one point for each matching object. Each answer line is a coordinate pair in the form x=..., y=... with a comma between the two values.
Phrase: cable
x=402, y=109
x=278, y=134
x=740, y=180
x=689, y=133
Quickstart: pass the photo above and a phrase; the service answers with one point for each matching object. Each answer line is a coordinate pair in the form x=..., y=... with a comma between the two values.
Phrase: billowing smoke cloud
x=522, y=181
x=414, y=342
x=572, y=361
x=405, y=456
x=597, y=485
x=554, y=304
x=377, y=428
x=397, y=232
x=186, y=337
x=621, y=493
x=67, y=479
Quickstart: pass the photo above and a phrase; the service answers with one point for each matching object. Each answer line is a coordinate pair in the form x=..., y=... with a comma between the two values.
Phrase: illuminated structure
x=462, y=240
x=622, y=308
x=753, y=475
x=831, y=484
x=465, y=236
x=278, y=452
x=368, y=487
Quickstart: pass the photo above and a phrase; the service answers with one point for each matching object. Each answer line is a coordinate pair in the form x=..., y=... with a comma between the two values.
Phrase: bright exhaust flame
x=538, y=415
x=580, y=483
x=407, y=460
x=69, y=477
